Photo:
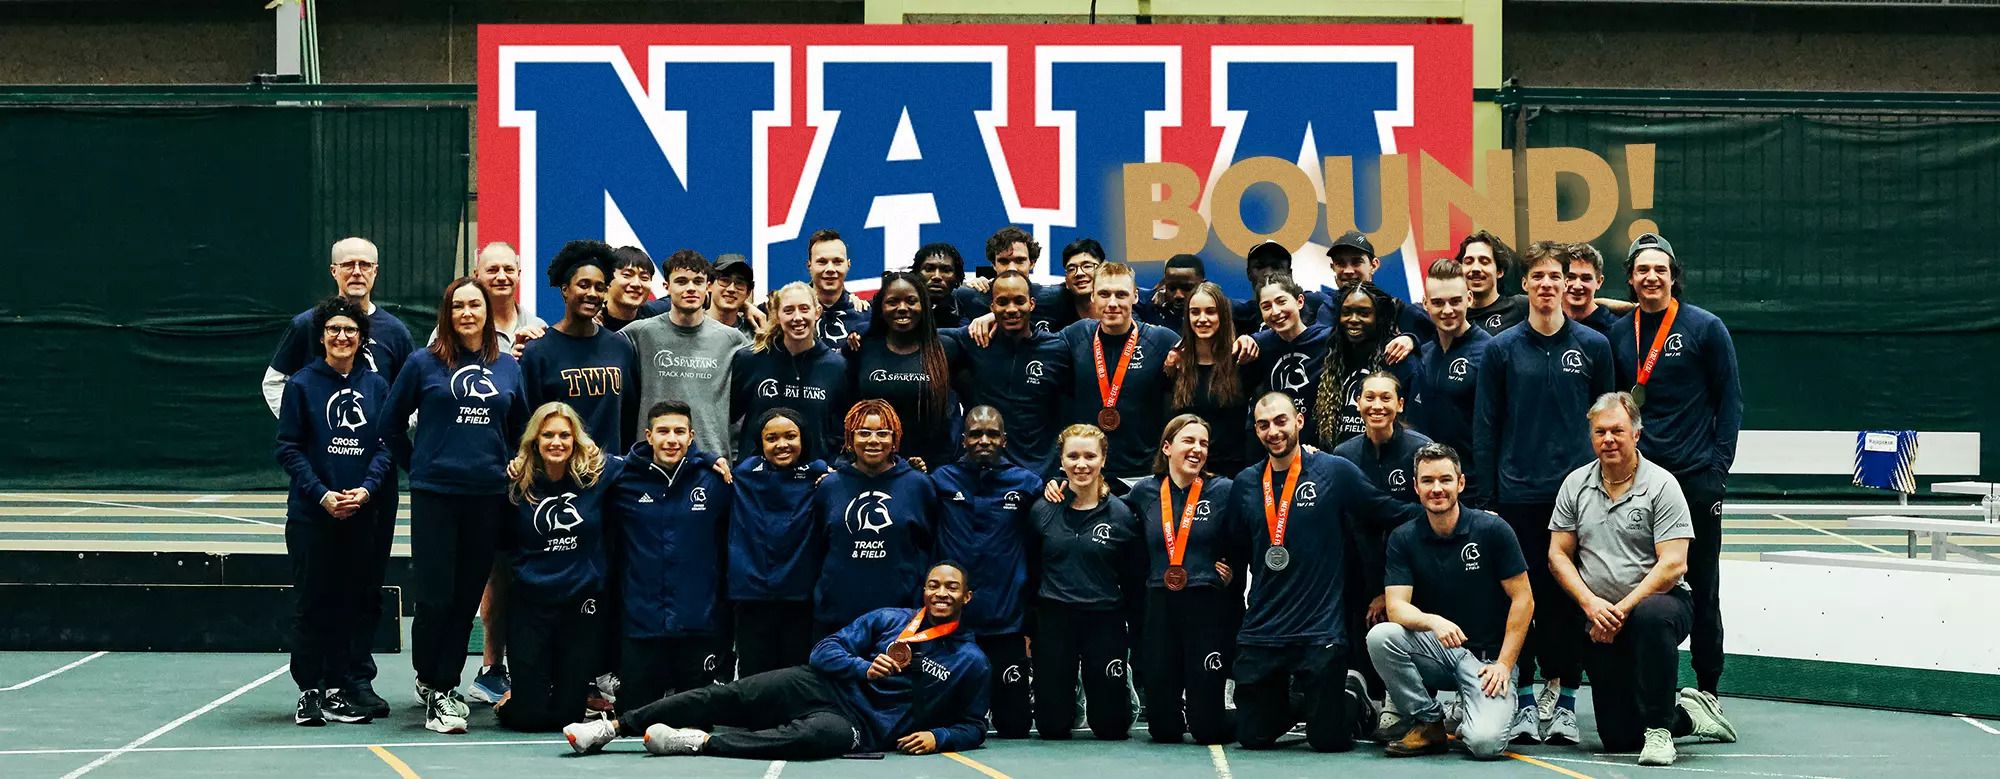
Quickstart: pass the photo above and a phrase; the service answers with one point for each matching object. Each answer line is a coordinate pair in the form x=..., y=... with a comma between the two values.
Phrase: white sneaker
x=1659, y=749
x=1545, y=703
x=455, y=703
x=1526, y=729
x=590, y=735
x=439, y=716
x=665, y=740
x=1561, y=728
x=1706, y=713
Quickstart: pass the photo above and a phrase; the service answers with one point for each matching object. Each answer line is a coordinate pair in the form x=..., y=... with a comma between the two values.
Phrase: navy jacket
x=1391, y=467
x=1292, y=367
x=1088, y=559
x=1529, y=429
x=557, y=540
x=330, y=437
x=1600, y=319
x=470, y=420
x=389, y=345
x=1208, y=535
x=1694, y=399
x=1304, y=605
x=839, y=320
x=873, y=537
x=672, y=531
x=770, y=531
x=1442, y=405
x=813, y=383
x=597, y=376
x=1012, y=375
x=983, y=523
x=1142, y=403
x=943, y=690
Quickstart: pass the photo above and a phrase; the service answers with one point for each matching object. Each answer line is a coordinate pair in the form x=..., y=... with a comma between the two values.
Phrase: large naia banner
x=746, y=139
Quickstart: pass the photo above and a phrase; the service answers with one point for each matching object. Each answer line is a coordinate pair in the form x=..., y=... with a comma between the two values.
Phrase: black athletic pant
x=1069, y=640
x=772, y=634
x=1189, y=644
x=374, y=567
x=553, y=649
x=452, y=539
x=1705, y=491
x=789, y=714
x=1633, y=678
x=327, y=555
x=1010, y=699
x=1266, y=677
x=1551, y=643
x=650, y=668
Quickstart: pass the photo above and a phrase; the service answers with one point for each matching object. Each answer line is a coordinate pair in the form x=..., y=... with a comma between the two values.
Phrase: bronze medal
x=1108, y=419
x=1176, y=578
x=899, y=652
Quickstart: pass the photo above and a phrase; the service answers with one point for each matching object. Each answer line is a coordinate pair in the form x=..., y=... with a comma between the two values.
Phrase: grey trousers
x=1411, y=662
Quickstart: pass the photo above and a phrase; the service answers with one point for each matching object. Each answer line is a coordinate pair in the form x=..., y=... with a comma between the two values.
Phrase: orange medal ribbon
x=1277, y=512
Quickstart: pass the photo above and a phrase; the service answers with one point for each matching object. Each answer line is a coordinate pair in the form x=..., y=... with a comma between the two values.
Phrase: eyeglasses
x=355, y=265
x=349, y=330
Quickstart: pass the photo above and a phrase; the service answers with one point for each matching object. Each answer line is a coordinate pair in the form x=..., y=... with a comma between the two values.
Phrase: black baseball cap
x=1269, y=250
x=1650, y=241
x=1352, y=239
x=733, y=263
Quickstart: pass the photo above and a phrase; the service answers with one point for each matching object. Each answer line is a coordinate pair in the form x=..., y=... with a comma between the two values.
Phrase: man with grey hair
x=498, y=269
x=1618, y=545
x=354, y=263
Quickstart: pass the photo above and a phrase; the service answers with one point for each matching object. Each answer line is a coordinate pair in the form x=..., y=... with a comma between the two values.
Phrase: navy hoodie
x=470, y=420
x=872, y=536
x=672, y=531
x=770, y=530
x=1249, y=315
x=1304, y=605
x=330, y=436
x=389, y=345
x=983, y=523
x=597, y=376
x=1012, y=375
x=557, y=539
x=1442, y=403
x=1292, y=367
x=1528, y=426
x=813, y=383
x=839, y=320
x=943, y=690
x=1142, y=403
x=1208, y=535
x=1391, y=467
x=1694, y=399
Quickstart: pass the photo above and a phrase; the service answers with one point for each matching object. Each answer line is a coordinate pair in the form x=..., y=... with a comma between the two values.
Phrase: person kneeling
x=901, y=677
x=1459, y=605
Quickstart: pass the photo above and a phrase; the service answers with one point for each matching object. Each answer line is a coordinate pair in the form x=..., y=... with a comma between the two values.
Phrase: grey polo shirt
x=1615, y=538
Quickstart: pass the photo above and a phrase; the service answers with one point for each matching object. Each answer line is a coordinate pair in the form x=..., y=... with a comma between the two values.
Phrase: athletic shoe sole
x=445, y=728
x=308, y=723
x=573, y=746
x=1703, y=712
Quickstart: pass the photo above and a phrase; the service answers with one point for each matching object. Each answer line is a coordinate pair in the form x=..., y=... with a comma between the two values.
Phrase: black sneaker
x=308, y=713
x=338, y=708
x=362, y=696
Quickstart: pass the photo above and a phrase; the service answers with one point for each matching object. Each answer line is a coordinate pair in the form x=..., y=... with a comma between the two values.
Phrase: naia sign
x=746, y=139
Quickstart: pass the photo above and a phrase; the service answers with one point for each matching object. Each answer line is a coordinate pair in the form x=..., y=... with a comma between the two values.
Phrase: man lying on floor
x=895, y=677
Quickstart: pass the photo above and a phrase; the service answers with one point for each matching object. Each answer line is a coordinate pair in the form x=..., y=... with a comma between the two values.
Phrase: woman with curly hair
x=1366, y=322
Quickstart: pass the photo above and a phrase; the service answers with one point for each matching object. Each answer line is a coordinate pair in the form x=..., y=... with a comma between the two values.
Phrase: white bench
x=1879, y=562
x=1940, y=532
x=1831, y=453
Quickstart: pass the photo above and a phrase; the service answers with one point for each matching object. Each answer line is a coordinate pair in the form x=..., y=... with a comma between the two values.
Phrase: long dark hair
x=445, y=348
x=1344, y=357
x=1222, y=381
x=935, y=405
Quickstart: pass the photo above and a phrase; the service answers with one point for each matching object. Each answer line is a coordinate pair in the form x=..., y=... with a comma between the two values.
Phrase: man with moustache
x=1486, y=260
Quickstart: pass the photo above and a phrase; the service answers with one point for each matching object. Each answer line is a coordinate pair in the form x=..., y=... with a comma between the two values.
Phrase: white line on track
x=777, y=767
x=169, y=727
x=1730, y=772
x=285, y=747
x=210, y=499
x=115, y=504
x=1977, y=724
x=1835, y=535
x=1221, y=763
x=31, y=682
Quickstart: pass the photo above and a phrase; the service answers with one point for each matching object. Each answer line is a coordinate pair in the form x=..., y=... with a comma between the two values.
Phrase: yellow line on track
x=977, y=766
x=402, y=768
x=1547, y=765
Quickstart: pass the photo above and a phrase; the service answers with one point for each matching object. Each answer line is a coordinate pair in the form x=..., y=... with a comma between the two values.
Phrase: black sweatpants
x=650, y=668
x=1705, y=491
x=329, y=591
x=1010, y=698
x=553, y=649
x=374, y=568
x=1633, y=678
x=452, y=540
x=788, y=714
x=1069, y=641
x=1265, y=679
x=1551, y=646
x=1189, y=645
x=773, y=634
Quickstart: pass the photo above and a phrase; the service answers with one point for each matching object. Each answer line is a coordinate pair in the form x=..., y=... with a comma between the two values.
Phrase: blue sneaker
x=490, y=685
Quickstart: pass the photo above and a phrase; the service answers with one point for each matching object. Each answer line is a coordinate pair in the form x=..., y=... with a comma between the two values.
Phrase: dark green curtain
x=1850, y=253
x=155, y=254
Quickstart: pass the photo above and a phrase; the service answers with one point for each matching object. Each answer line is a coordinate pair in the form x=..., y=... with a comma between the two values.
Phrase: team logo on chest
x=1101, y=533
x=474, y=382
x=832, y=327
x=1572, y=359
x=699, y=496
x=1398, y=479
x=1673, y=345
x=868, y=511
x=1469, y=555
x=343, y=411
x=1459, y=368
x=1034, y=369
x=1493, y=322
x=557, y=513
x=1308, y=494
x=767, y=388
x=1289, y=374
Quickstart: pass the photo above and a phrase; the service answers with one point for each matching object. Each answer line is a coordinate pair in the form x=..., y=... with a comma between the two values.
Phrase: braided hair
x=1344, y=357
x=937, y=400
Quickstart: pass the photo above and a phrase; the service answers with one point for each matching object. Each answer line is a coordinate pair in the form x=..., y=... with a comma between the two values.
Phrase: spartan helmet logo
x=1289, y=374
x=710, y=662
x=557, y=513
x=1213, y=661
x=1102, y=532
x=343, y=411
x=868, y=511
x=1201, y=509
x=1398, y=479
x=1572, y=359
x=1716, y=509
x=1674, y=342
x=1041, y=326
x=767, y=388
x=590, y=605
x=1114, y=669
x=1308, y=492
x=1493, y=321
x=1469, y=553
x=1012, y=674
x=832, y=327
x=1138, y=352
x=473, y=381
x=1460, y=367
x=698, y=495
x=1035, y=369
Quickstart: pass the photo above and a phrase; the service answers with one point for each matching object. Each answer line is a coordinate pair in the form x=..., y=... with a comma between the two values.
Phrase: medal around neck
x=1277, y=558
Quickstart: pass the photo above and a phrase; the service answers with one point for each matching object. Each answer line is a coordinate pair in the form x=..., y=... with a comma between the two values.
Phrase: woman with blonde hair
x=1091, y=563
x=787, y=366
x=556, y=483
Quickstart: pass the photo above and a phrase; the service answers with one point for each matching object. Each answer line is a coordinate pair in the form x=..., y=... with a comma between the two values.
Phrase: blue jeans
x=1412, y=662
